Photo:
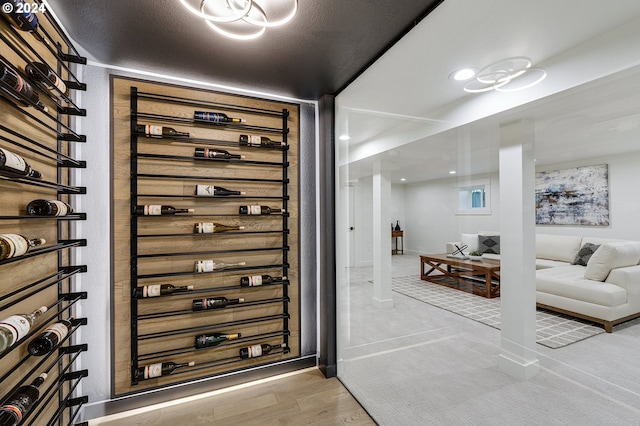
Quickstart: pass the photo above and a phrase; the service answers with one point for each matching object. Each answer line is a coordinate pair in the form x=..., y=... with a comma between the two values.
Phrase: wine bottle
x=210, y=265
x=397, y=228
x=258, y=280
x=20, y=402
x=43, y=75
x=48, y=208
x=159, y=131
x=259, y=210
x=215, y=153
x=14, y=245
x=213, y=191
x=209, y=340
x=214, y=227
x=261, y=141
x=18, y=89
x=158, y=210
x=23, y=18
x=255, y=351
x=155, y=290
x=159, y=369
x=215, y=117
x=15, y=327
x=14, y=165
x=50, y=337
x=214, y=303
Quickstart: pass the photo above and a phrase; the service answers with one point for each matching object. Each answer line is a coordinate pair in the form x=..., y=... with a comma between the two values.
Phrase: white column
x=517, y=251
x=382, y=297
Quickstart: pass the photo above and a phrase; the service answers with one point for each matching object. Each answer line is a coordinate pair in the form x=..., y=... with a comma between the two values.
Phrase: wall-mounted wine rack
x=165, y=170
x=37, y=126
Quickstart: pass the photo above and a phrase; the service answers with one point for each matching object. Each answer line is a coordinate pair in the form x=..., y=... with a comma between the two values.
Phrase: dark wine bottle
x=255, y=351
x=20, y=402
x=18, y=89
x=213, y=191
x=13, y=165
x=43, y=75
x=48, y=208
x=158, y=210
x=214, y=227
x=259, y=210
x=261, y=141
x=258, y=280
x=214, y=303
x=215, y=117
x=216, y=153
x=14, y=245
x=50, y=337
x=21, y=15
x=397, y=228
x=209, y=340
x=159, y=369
x=159, y=131
x=155, y=290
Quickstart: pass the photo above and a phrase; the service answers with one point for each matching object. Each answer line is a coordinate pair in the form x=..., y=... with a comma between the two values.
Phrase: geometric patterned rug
x=553, y=330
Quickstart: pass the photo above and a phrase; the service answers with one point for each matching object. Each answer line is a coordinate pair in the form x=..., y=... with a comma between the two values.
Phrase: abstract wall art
x=577, y=196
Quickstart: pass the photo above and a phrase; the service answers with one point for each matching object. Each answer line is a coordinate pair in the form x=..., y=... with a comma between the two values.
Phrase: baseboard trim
x=131, y=402
x=520, y=369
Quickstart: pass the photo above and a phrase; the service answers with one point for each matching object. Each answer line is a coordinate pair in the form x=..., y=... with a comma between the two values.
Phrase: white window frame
x=464, y=192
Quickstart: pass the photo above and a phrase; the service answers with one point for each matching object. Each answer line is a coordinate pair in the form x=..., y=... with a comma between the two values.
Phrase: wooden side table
x=395, y=235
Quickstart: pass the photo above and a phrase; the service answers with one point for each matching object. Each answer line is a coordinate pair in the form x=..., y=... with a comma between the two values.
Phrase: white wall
x=431, y=218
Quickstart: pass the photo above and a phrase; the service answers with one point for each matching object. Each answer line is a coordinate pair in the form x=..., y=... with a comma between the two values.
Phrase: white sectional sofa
x=605, y=288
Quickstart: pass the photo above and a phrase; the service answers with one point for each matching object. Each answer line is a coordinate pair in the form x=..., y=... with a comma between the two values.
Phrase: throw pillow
x=489, y=244
x=610, y=256
x=471, y=241
x=585, y=253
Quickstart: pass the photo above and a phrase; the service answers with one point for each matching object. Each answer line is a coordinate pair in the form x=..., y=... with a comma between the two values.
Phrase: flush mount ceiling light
x=463, y=74
x=508, y=75
x=243, y=19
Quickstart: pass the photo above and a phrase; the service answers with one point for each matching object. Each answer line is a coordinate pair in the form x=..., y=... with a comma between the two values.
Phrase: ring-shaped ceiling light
x=508, y=75
x=231, y=12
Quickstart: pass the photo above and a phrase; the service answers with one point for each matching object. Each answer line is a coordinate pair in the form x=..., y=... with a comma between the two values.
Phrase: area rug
x=553, y=330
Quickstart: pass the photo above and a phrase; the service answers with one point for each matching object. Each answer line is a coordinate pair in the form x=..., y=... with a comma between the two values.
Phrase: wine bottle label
x=153, y=210
x=152, y=130
x=153, y=370
x=205, y=266
x=59, y=329
x=151, y=290
x=255, y=140
x=255, y=280
x=255, y=351
x=14, y=161
x=255, y=209
x=205, y=228
x=17, y=325
x=63, y=209
x=17, y=245
x=206, y=190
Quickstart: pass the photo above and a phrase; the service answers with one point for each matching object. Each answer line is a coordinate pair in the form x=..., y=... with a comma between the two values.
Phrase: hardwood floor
x=306, y=398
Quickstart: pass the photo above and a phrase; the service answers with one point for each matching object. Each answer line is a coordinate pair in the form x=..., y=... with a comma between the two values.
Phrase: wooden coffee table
x=480, y=277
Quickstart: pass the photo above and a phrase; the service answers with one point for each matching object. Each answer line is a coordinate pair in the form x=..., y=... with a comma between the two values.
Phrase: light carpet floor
x=553, y=330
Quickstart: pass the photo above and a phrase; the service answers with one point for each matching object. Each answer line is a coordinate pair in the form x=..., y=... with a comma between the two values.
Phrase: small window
x=474, y=198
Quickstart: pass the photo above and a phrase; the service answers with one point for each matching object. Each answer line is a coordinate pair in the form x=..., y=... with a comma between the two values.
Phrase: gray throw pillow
x=584, y=254
x=489, y=244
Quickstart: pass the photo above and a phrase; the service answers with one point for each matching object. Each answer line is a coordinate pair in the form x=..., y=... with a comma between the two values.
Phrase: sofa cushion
x=489, y=244
x=557, y=247
x=568, y=281
x=471, y=240
x=585, y=253
x=610, y=256
x=546, y=263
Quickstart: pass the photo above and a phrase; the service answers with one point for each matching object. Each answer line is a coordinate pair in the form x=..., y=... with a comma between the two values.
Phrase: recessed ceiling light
x=463, y=74
x=452, y=172
x=344, y=137
x=403, y=180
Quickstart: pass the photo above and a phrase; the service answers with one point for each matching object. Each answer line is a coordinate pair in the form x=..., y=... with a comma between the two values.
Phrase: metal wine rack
x=45, y=275
x=161, y=168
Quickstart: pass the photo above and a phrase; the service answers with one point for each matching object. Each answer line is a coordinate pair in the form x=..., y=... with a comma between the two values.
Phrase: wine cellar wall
x=39, y=338
x=206, y=246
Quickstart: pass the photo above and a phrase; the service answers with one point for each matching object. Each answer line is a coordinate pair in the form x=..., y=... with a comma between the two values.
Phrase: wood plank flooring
x=306, y=398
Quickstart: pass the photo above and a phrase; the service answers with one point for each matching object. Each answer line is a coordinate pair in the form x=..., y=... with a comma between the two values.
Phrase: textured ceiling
x=326, y=45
